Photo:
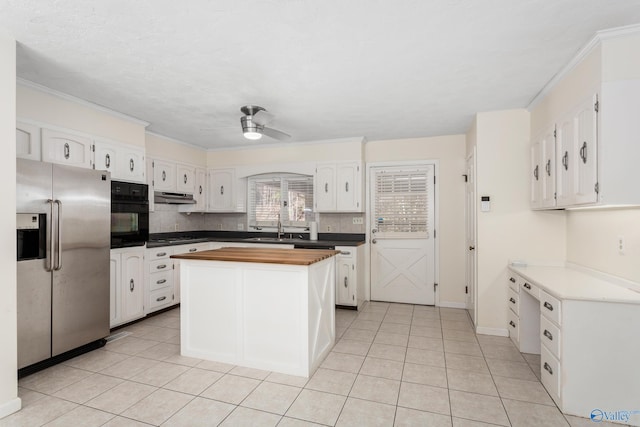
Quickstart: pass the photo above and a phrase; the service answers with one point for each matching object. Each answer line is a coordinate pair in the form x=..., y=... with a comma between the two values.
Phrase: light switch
x=485, y=204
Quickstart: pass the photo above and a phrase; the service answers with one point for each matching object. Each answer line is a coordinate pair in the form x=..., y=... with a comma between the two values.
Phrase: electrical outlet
x=219, y=226
x=240, y=227
x=328, y=229
x=620, y=245
x=357, y=220
x=175, y=227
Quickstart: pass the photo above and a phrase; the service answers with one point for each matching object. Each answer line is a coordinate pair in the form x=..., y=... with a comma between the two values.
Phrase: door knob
x=472, y=248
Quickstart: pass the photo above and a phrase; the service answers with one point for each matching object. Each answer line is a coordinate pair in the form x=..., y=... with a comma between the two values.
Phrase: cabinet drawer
x=550, y=371
x=550, y=336
x=185, y=249
x=158, y=253
x=514, y=282
x=531, y=288
x=160, y=265
x=550, y=307
x=513, y=323
x=160, y=280
x=160, y=298
x=514, y=302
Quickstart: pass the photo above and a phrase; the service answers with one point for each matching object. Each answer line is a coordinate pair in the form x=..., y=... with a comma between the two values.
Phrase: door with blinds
x=402, y=234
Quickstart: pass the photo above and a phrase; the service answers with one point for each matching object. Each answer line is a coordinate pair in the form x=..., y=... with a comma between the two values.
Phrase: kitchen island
x=270, y=309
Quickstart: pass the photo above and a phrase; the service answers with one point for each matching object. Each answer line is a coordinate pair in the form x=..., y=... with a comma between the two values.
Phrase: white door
x=402, y=234
x=587, y=150
x=470, y=232
x=132, y=286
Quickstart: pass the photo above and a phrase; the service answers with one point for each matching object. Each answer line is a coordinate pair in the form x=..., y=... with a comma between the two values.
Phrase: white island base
x=275, y=317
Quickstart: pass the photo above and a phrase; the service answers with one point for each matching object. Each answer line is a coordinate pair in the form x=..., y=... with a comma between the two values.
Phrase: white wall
x=511, y=230
x=158, y=146
x=450, y=152
x=9, y=401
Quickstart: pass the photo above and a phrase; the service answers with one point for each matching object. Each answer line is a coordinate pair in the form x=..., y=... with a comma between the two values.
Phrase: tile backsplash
x=166, y=218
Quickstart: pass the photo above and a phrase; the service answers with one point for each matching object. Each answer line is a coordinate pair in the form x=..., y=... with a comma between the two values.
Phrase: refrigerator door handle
x=58, y=236
x=50, y=249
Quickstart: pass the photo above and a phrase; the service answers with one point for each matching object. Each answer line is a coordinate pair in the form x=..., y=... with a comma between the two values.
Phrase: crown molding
x=595, y=41
x=80, y=101
x=175, y=141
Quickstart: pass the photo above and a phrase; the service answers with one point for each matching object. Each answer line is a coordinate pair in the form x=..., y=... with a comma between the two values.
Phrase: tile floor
x=392, y=365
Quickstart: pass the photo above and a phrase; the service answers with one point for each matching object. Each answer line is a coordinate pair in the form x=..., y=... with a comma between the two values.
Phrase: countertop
x=260, y=255
x=572, y=284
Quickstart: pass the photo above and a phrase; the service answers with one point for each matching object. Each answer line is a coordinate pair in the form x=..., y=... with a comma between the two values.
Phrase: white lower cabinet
x=350, y=276
x=159, y=280
x=126, y=280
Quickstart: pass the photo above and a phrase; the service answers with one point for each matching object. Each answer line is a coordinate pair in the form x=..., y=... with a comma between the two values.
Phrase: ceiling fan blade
x=275, y=134
x=262, y=118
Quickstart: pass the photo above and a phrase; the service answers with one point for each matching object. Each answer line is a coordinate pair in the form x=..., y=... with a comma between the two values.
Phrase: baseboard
x=449, y=304
x=498, y=332
x=9, y=407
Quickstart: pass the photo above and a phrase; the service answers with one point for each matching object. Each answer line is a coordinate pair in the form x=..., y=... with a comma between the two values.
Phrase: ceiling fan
x=254, y=124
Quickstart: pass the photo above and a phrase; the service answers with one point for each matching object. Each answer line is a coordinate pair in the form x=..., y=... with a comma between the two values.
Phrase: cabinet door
x=221, y=190
x=131, y=165
x=548, y=169
x=536, y=177
x=200, y=193
x=27, y=141
x=186, y=179
x=66, y=149
x=150, y=178
x=566, y=161
x=325, y=185
x=164, y=176
x=343, y=288
x=348, y=188
x=586, y=153
x=106, y=157
x=114, y=290
x=132, y=286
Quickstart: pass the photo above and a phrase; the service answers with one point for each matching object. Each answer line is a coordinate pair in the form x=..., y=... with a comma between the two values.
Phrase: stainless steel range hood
x=173, y=198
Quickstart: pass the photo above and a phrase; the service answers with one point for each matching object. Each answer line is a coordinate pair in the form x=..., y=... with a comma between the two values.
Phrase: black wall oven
x=129, y=214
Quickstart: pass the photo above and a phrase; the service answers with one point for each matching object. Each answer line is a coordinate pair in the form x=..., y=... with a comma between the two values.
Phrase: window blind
x=288, y=197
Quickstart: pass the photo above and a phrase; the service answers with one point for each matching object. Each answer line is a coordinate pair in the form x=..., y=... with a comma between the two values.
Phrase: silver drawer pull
x=161, y=299
x=512, y=280
x=512, y=324
x=193, y=250
x=528, y=286
x=161, y=281
x=345, y=252
x=548, y=368
x=161, y=254
x=548, y=334
x=512, y=300
x=161, y=266
x=548, y=306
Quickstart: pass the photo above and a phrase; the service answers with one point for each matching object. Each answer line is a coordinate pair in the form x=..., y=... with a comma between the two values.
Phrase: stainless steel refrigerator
x=63, y=258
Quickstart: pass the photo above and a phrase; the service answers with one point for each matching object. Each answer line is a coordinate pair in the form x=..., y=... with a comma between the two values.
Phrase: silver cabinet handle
x=345, y=252
x=528, y=286
x=346, y=187
x=512, y=300
x=565, y=160
x=50, y=252
x=472, y=248
x=374, y=241
x=107, y=161
x=512, y=280
x=161, y=281
x=58, y=238
x=161, y=254
x=132, y=285
x=164, y=175
x=161, y=266
x=535, y=172
x=67, y=150
x=512, y=324
x=548, y=167
x=222, y=189
x=548, y=368
x=583, y=152
x=548, y=306
x=131, y=165
x=201, y=189
x=185, y=178
x=193, y=250
x=374, y=230
x=161, y=298
x=346, y=281
x=548, y=334
x=326, y=187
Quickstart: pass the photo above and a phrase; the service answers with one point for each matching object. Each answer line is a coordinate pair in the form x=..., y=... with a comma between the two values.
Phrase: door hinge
x=597, y=187
x=434, y=180
x=93, y=148
x=435, y=285
x=555, y=196
x=434, y=234
x=596, y=106
x=555, y=133
x=466, y=289
x=466, y=178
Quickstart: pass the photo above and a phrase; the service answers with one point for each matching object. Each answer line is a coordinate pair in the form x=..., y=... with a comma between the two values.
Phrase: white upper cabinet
x=566, y=176
x=186, y=176
x=221, y=190
x=548, y=169
x=338, y=187
x=199, y=193
x=325, y=187
x=586, y=152
x=105, y=157
x=164, y=175
x=27, y=141
x=131, y=164
x=66, y=148
x=536, y=177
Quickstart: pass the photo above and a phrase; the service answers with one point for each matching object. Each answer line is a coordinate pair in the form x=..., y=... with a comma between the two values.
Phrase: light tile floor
x=393, y=365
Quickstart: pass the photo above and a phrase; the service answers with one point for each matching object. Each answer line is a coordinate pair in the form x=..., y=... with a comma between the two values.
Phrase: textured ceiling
x=326, y=69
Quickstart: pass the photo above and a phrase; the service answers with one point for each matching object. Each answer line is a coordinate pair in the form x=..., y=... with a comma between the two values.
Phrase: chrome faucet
x=280, y=230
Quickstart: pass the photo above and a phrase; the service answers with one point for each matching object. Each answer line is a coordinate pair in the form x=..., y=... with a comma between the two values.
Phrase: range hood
x=173, y=198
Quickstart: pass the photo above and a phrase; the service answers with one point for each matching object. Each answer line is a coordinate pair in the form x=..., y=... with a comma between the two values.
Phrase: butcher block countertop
x=260, y=255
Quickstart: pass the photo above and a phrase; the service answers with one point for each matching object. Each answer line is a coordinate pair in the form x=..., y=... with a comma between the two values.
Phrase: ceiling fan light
x=252, y=135
x=249, y=129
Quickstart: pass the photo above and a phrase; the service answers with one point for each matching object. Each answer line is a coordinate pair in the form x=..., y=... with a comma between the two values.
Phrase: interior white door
x=402, y=234
x=470, y=232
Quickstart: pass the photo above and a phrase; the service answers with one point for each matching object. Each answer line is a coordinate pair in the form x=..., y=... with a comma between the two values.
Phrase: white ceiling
x=326, y=69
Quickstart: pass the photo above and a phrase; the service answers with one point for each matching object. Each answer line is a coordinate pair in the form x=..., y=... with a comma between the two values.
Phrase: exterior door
x=402, y=234
x=470, y=220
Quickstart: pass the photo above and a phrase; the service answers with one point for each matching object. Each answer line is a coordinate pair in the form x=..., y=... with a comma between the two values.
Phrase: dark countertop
x=299, y=240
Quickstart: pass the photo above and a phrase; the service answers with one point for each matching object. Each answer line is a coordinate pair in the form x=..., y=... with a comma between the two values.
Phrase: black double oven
x=129, y=214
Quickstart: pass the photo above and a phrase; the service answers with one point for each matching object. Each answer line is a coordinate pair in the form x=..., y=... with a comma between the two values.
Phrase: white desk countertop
x=571, y=284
